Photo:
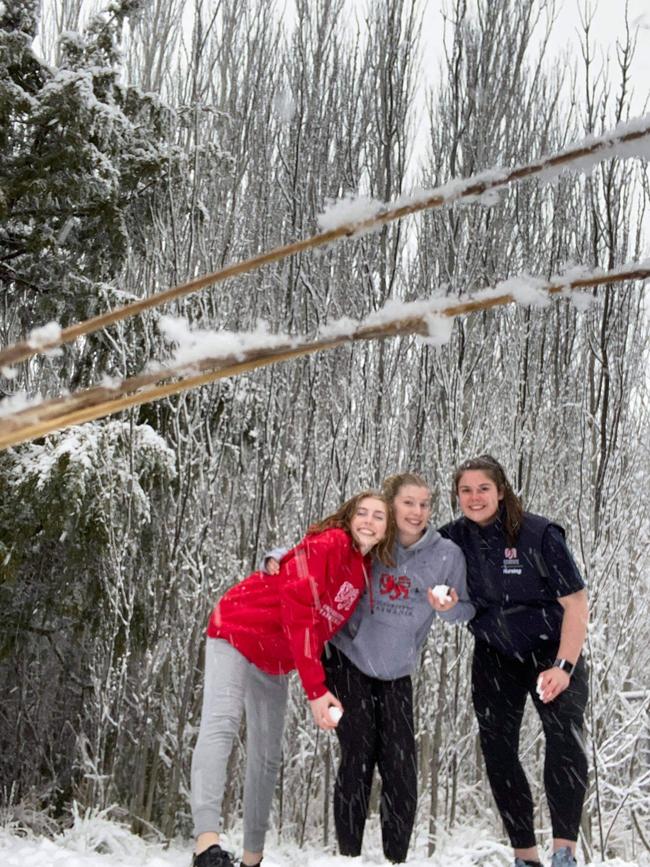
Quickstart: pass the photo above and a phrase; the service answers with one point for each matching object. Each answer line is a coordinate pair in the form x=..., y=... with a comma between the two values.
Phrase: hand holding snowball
x=442, y=598
x=335, y=714
x=324, y=710
x=551, y=683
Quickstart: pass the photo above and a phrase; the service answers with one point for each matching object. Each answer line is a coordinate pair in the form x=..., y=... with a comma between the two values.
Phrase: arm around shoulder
x=276, y=555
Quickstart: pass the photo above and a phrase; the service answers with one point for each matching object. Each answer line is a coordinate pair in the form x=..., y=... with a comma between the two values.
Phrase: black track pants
x=500, y=685
x=376, y=729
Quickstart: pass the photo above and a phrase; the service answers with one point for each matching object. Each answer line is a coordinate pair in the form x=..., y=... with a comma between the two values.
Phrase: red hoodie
x=281, y=622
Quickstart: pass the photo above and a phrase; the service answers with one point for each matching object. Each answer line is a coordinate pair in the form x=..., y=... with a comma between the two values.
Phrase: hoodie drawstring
x=368, y=586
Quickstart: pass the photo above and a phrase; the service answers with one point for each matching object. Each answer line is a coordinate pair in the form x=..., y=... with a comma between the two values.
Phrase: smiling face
x=478, y=497
x=412, y=508
x=369, y=523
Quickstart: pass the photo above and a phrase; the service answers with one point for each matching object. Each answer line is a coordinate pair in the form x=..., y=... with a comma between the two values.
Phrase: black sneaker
x=213, y=856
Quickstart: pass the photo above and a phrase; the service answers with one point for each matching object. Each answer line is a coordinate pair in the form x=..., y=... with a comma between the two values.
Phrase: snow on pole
x=352, y=218
x=229, y=354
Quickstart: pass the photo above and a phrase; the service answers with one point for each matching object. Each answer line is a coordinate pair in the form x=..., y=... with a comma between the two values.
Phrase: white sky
x=608, y=26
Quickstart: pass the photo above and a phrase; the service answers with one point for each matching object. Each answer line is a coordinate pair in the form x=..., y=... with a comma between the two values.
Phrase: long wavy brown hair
x=513, y=509
x=344, y=514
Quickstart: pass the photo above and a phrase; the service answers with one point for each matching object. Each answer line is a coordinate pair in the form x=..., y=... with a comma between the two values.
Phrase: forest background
x=158, y=140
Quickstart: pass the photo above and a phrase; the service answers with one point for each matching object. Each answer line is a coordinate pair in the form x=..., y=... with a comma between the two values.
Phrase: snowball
x=441, y=593
x=335, y=714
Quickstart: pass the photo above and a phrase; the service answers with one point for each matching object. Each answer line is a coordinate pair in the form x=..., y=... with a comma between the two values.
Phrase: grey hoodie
x=385, y=634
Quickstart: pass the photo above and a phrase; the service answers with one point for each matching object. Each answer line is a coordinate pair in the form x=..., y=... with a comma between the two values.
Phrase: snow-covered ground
x=95, y=841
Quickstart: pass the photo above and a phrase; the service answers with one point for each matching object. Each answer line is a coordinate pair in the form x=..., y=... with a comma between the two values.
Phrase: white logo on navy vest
x=511, y=565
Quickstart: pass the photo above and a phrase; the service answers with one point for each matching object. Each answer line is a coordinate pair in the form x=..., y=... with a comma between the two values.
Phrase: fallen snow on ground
x=95, y=841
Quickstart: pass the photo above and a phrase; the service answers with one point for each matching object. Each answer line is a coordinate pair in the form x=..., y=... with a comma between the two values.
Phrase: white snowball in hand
x=540, y=691
x=441, y=592
x=335, y=714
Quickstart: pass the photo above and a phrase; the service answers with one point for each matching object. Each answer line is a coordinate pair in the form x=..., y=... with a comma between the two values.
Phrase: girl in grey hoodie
x=369, y=663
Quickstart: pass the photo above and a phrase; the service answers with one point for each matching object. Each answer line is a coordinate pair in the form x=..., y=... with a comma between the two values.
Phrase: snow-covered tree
x=117, y=538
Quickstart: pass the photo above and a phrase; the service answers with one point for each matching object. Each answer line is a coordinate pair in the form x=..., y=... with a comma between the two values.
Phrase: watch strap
x=564, y=664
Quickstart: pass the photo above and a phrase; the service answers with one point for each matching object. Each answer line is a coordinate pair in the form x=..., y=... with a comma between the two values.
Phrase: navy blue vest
x=517, y=612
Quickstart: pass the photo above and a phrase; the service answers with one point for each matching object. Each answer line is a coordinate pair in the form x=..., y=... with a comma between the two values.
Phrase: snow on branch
x=350, y=218
x=201, y=357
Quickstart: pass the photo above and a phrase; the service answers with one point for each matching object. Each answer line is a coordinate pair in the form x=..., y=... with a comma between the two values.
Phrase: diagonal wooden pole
x=592, y=149
x=93, y=403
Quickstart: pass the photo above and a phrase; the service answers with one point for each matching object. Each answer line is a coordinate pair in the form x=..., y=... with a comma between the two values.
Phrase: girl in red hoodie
x=258, y=632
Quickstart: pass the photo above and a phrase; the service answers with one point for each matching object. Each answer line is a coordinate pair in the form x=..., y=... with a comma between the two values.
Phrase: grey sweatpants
x=233, y=684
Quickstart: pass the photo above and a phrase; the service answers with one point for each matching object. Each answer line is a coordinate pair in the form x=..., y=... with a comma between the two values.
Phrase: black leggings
x=376, y=729
x=500, y=685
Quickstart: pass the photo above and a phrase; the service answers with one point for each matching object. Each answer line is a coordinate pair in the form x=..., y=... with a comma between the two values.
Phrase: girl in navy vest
x=530, y=626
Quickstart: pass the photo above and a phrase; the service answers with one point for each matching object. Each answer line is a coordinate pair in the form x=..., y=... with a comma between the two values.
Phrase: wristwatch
x=565, y=665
